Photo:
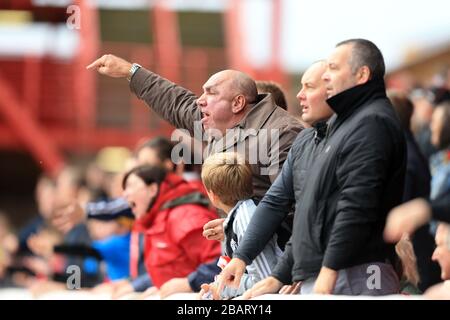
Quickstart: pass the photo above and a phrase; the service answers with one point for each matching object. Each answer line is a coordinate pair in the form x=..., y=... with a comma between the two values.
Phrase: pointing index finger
x=96, y=64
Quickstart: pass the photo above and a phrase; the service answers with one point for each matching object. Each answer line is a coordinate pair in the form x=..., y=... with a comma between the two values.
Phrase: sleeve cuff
x=281, y=275
x=243, y=258
x=138, y=80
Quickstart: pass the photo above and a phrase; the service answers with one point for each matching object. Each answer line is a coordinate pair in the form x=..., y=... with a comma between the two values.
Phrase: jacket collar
x=346, y=102
x=259, y=112
x=320, y=131
x=232, y=212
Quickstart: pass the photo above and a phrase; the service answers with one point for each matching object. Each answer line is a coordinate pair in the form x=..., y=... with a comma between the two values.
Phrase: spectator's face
x=442, y=254
x=436, y=126
x=216, y=103
x=312, y=95
x=339, y=76
x=139, y=195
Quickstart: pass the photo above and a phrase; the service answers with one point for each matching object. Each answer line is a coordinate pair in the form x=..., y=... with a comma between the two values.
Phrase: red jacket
x=174, y=244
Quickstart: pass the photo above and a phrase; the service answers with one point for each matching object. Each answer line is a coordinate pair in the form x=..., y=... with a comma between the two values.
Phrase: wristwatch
x=133, y=69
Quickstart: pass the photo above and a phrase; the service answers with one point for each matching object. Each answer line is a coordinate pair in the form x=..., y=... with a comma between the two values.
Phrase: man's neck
x=312, y=124
x=238, y=117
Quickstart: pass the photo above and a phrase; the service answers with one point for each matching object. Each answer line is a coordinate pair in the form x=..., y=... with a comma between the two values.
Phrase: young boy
x=228, y=182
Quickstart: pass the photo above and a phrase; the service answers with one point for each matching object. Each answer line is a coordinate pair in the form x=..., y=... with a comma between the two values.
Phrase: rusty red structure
x=49, y=107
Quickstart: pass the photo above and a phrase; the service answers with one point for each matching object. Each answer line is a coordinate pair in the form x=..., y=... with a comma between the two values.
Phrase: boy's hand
x=213, y=230
x=209, y=290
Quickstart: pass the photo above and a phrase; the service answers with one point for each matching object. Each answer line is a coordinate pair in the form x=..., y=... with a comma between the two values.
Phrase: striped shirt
x=262, y=265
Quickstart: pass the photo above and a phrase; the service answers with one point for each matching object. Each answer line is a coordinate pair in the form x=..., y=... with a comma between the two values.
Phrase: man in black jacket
x=337, y=242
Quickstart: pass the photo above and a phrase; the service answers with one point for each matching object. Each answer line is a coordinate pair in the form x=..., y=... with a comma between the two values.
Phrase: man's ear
x=238, y=104
x=363, y=75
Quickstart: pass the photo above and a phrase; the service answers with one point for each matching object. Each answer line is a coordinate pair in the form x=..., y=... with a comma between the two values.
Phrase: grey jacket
x=264, y=136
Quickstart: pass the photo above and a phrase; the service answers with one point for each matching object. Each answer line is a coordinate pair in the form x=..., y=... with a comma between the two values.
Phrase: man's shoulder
x=267, y=116
x=283, y=118
x=287, y=126
x=376, y=112
x=376, y=122
x=278, y=118
x=379, y=108
x=303, y=136
x=245, y=209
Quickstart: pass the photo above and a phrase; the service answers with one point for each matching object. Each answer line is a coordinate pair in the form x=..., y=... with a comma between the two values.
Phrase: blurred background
x=54, y=112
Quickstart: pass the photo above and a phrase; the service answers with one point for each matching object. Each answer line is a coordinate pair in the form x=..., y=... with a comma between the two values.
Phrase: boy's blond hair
x=228, y=176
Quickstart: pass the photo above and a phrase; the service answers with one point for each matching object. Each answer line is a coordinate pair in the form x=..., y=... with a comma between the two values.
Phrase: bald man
x=230, y=115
